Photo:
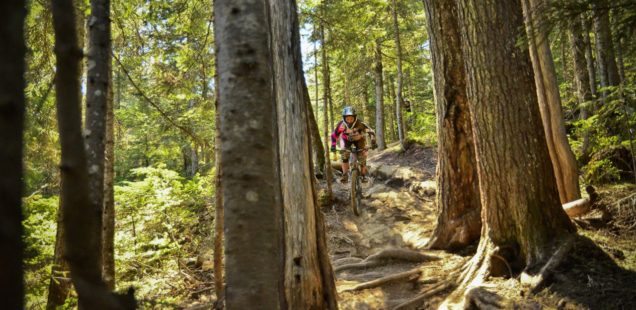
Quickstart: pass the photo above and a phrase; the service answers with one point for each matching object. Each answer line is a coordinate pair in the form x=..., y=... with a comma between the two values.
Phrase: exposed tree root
x=385, y=256
x=347, y=260
x=407, y=275
x=483, y=299
x=429, y=292
x=537, y=281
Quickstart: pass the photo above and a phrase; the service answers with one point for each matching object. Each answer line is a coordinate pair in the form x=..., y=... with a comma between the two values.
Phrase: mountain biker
x=350, y=130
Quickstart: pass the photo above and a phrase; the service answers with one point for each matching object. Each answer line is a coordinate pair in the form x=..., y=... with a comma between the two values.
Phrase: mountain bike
x=354, y=178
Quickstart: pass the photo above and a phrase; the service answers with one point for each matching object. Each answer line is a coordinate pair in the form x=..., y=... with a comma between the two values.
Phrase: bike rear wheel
x=356, y=191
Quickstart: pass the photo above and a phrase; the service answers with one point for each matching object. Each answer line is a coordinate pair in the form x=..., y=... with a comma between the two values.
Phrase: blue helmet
x=349, y=111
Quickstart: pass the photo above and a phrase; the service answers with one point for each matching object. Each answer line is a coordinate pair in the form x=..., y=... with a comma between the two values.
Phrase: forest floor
x=398, y=215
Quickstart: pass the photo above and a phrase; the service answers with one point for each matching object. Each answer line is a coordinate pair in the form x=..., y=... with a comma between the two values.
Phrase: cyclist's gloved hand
x=374, y=145
x=333, y=148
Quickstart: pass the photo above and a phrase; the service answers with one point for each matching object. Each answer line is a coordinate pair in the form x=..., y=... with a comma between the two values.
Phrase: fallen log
x=581, y=206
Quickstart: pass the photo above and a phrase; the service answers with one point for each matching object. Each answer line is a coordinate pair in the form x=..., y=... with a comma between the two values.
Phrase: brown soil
x=600, y=273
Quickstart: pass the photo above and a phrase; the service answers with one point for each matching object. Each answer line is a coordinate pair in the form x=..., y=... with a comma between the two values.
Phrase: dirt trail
x=398, y=212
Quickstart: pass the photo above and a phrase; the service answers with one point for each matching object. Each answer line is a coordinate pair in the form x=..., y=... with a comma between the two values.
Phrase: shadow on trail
x=590, y=278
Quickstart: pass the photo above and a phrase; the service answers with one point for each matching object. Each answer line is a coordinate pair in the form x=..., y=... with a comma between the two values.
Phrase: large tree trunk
x=607, y=69
x=563, y=160
x=108, y=218
x=60, y=282
x=379, y=97
x=521, y=213
x=82, y=223
x=326, y=94
x=398, y=96
x=273, y=229
x=12, y=69
x=97, y=92
x=250, y=186
x=458, y=204
x=318, y=150
x=581, y=81
x=309, y=281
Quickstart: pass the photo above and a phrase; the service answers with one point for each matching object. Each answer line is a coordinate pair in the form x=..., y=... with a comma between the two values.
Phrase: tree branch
x=185, y=130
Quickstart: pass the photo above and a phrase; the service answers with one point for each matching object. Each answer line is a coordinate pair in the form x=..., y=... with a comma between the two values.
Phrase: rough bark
x=563, y=160
x=12, y=102
x=398, y=94
x=318, y=150
x=581, y=81
x=309, y=282
x=326, y=89
x=458, y=204
x=607, y=68
x=81, y=215
x=108, y=217
x=522, y=216
x=379, y=97
x=273, y=230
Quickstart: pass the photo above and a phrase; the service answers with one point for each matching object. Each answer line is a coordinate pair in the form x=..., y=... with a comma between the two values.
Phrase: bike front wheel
x=356, y=193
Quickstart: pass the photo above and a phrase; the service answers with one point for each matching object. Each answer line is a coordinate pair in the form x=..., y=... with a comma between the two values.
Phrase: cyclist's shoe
x=364, y=179
x=344, y=178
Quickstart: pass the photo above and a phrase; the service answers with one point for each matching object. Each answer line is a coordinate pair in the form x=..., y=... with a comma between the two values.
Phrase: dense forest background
x=163, y=95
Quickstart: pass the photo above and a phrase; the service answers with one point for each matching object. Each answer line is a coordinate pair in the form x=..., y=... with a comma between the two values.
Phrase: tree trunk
x=97, y=92
x=379, y=97
x=12, y=84
x=60, y=283
x=521, y=212
x=458, y=223
x=309, y=281
x=365, y=105
x=81, y=215
x=581, y=81
x=317, y=88
x=219, y=275
x=589, y=57
x=398, y=96
x=250, y=186
x=273, y=230
x=607, y=68
x=326, y=89
x=393, y=108
x=108, y=218
x=316, y=142
x=563, y=160
x=620, y=63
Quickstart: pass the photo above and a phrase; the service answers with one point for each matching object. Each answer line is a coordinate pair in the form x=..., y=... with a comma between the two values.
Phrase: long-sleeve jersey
x=354, y=132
